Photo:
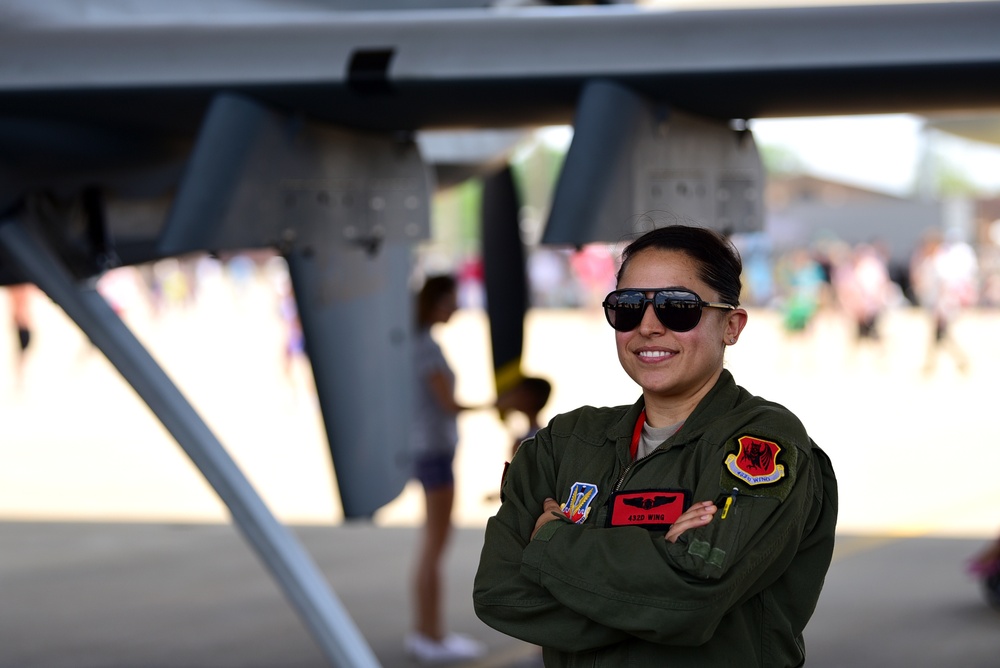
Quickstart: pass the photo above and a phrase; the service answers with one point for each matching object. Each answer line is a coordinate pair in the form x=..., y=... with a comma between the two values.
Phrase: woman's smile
x=654, y=355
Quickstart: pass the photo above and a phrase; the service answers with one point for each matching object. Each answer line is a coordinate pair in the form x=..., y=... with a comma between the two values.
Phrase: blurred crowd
x=943, y=275
x=158, y=289
x=862, y=282
x=864, y=279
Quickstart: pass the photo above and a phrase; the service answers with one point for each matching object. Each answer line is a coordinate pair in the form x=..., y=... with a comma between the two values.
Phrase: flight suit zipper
x=621, y=477
x=631, y=465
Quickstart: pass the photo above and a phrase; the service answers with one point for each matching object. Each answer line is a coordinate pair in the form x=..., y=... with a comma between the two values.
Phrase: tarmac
x=114, y=552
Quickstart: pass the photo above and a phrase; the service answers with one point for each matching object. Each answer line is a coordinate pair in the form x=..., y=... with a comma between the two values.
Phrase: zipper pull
x=729, y=502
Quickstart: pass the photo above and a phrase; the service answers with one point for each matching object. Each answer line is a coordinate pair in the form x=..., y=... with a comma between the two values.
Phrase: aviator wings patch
x=653, y=509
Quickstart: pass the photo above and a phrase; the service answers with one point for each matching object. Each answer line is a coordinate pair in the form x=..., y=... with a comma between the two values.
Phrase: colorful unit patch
x=577, y=507
x=757, y=461
x=654, y=509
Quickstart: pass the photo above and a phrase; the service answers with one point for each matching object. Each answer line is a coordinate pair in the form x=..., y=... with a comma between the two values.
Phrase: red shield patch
x=756, y=463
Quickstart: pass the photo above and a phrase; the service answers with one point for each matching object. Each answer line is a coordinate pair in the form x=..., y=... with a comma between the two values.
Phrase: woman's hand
x=696, y=516
x=550, y=511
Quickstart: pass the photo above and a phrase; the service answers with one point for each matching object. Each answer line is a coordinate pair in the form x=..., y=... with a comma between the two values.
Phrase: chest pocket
x=713, y=548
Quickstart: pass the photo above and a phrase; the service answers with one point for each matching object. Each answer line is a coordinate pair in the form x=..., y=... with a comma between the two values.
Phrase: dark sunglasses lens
x=624, y=309
x=678, y=311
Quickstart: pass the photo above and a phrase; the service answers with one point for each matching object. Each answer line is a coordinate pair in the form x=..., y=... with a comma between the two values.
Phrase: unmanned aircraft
x=135, y=130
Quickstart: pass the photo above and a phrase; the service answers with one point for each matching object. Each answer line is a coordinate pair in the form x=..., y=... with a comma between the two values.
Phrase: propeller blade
x=505, y=276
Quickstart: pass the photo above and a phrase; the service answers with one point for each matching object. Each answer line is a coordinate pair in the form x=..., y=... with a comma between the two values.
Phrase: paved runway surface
x=114, y=552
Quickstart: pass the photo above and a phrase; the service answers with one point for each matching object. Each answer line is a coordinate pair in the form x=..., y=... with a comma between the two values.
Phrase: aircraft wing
x=136, y=78
x=157, y=64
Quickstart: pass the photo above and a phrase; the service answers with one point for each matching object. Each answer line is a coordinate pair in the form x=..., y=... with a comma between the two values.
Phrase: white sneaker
x=453, y=647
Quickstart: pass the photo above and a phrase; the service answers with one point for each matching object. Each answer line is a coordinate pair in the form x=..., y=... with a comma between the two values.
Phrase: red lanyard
x=637, y=433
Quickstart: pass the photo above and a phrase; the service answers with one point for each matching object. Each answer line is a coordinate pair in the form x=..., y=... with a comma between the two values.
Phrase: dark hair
x=434, y=290
x=719, y=263
x=538, y=391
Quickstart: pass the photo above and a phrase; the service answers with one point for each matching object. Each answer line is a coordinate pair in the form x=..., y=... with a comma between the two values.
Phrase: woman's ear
x=735, y=322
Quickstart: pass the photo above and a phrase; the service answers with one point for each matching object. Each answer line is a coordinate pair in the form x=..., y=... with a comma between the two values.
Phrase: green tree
x=779, y=160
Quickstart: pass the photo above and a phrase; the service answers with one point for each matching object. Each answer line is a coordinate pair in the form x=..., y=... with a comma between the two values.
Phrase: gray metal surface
x=345, y=209
x=634, y=165
x=732, y=63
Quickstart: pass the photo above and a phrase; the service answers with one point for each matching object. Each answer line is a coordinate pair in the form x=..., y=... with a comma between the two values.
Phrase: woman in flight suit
x=692, y=528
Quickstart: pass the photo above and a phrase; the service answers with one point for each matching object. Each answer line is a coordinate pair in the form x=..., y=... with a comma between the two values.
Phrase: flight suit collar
x=723, y=396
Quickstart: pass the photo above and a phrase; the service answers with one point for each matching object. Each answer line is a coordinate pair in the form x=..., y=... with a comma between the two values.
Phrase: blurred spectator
x=173, y=284
x=20, y=312
x=944, y=274
x=471, y=288
x=242, y=272
x=528, y=397
x=800, y=283
x=863, y=289
x=594, y=268
x=295, y=343
x=123, y=288
x=550, y=279
x=758, y=279
x=434, y=440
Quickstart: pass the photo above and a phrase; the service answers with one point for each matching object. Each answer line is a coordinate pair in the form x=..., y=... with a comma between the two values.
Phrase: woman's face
x=670, y=365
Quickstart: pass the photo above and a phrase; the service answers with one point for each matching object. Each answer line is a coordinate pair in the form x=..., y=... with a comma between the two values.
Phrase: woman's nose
x=650, y=324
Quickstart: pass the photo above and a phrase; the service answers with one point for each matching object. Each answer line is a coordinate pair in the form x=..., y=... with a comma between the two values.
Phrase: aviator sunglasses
x=677, y=309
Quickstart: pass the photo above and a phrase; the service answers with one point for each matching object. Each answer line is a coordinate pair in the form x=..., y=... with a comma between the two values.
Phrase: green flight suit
x=737, y=592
